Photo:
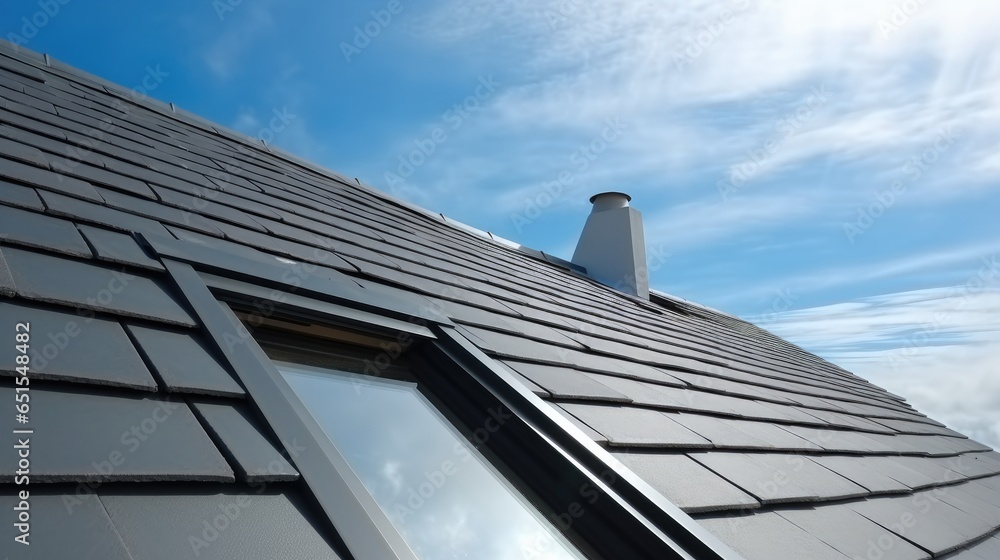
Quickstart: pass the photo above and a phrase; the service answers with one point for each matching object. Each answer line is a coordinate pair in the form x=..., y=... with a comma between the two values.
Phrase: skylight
x=439, y=491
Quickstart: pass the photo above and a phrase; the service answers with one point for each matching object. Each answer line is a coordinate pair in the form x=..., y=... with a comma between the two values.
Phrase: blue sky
x=829, y=171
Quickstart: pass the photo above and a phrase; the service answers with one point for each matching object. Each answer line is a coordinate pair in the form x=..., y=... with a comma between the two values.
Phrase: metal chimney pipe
x=612, y=246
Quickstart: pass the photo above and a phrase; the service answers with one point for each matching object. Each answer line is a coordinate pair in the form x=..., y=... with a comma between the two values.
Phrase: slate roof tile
x=100, y=176
x=162, y=525
x=986, y=549
x=91, y=286
x=59, y=205
x=35, y=176
x=207, y=207
x=118, y=248
x=779, y=477
x=636, y=427
x=183, y=362
x=157, y=211
x=20, y=196
x=685, y=482
x=860, y=471
x=58, y=519
x=242, y=441
x=567, y=383
x=755, y=537
x=931, y=524
x=69, y=347
x=742, y=434
x=43, y=232
x=869, y=540
x=900, y=472
x=116, y=442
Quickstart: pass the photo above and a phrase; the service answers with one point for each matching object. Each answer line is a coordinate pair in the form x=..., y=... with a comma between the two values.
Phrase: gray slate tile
x=860, y=471
x=852, y=534
x=20, y=152
x=157, y=211
x=973, y=500
x=118, y=248
x=249, y=451
x=686, y=483
x=900, y=472
x=251, y=524
x=635, y=427
x=567, y=383
x=930, y=524
x=68, y=347
x=183, y=362
x=58, y=520
x=20, y=196
x=79, y=210
x=28, y=174
x=81, y=436
x=778, y=477
x=986, y=549
x=92, y=286
x=935, y=470
x=590, y=432
x=45, y=232
x=759, y=537
x=531, y=385
x=741, y=434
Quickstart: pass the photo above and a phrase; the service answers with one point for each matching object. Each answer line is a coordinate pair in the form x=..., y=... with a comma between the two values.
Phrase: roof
x=777, y=452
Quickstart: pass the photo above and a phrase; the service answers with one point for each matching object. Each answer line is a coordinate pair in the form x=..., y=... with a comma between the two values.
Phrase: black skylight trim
x=298, y=278
x=254, y=297
x=637, y=504
x=345, y=502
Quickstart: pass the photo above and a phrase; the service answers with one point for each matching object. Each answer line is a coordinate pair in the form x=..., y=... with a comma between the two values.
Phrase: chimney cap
x=614, y=193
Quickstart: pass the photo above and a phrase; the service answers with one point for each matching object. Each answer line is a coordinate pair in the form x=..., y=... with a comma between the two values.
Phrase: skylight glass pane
x=445, y=498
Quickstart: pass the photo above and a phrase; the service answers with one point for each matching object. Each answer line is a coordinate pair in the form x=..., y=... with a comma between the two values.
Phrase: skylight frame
x=631, y=516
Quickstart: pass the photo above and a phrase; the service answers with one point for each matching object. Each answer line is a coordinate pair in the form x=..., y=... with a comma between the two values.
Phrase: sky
x=826, y=170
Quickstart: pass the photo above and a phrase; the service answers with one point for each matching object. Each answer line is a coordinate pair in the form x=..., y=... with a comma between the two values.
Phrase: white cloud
x=938, y=348
x=571, y=64
x=894, y=82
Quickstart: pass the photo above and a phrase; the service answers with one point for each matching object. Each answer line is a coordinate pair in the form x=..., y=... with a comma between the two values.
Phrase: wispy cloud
x=937, y=347
x=239, y=31
x=703, y=82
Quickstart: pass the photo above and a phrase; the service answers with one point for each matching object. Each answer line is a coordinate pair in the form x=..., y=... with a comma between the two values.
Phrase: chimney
x=612, y=247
